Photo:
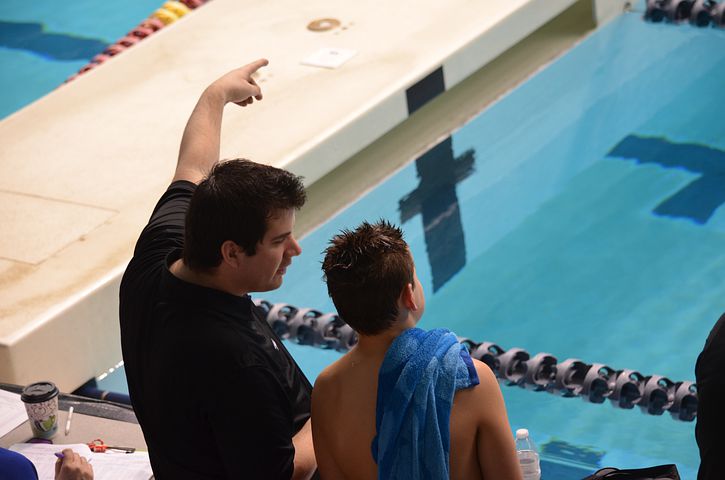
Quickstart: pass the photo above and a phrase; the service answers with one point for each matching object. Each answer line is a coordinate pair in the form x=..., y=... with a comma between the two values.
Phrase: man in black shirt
x=215, y=391
x=710, y=378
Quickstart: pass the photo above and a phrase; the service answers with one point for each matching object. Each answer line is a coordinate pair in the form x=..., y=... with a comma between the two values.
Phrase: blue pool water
x=43, y=42
x=579, y=215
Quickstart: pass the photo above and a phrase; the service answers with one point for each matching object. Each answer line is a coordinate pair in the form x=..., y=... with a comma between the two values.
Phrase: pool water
x=579, y=215
x=43, y=42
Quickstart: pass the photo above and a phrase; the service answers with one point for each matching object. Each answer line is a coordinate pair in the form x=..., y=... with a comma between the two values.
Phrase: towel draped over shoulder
x=419, y=376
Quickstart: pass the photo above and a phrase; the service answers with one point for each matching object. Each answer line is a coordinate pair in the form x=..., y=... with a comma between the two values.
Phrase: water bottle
x=528, y=458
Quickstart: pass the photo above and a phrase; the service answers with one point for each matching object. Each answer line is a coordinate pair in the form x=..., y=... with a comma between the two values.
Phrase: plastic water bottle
x=528, y=457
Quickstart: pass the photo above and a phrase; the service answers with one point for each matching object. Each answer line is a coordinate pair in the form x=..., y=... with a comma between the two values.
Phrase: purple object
x=40, y=440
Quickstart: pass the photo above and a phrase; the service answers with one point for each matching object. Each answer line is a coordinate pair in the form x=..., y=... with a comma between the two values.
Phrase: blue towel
x=419, y=376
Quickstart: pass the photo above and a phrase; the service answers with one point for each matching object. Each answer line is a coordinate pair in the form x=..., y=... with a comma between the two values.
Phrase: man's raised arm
x=199, y=150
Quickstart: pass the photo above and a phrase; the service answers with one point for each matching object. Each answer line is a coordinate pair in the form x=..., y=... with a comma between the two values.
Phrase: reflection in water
x=560, y=460
x=436, y=200
x=53, y=46
x=701, y=197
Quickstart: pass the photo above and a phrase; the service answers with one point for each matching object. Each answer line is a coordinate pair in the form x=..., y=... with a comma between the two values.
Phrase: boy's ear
x=407, y=298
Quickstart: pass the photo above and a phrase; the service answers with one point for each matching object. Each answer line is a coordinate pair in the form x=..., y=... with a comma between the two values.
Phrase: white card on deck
x=329, y=57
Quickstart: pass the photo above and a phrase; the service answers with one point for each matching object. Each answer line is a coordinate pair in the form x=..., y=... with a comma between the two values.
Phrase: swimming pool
x=569, y=238
x=579, y=215
x=43, y=42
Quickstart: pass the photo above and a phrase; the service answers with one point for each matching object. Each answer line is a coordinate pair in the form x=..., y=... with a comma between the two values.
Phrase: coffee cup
x=41, y=403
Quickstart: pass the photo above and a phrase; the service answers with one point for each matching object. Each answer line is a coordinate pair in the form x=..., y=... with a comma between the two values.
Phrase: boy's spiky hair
x=366, y=270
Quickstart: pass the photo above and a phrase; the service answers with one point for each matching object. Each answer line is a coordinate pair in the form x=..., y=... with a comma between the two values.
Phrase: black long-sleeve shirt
x=710, y=378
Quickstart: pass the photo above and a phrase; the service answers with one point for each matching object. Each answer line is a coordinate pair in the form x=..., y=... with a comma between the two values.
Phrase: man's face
x=264, y=270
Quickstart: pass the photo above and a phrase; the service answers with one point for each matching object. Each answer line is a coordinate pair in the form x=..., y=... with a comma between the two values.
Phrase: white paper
x=12, y=412
x=329, y=57
x=106, y=466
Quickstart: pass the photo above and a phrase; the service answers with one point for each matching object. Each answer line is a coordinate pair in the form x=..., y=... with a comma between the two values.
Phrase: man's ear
x=407, y=298
x=231, y=253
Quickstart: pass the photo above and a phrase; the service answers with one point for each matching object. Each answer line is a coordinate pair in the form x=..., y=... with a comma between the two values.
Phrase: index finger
x=256, y=65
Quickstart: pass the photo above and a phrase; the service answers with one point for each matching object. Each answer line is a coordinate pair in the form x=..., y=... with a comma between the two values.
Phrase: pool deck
x=81, y=168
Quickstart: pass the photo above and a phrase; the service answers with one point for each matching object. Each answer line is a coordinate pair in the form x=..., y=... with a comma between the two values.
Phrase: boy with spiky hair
x=403, y=403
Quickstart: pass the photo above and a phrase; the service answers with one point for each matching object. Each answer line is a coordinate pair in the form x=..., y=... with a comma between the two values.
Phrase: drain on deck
x=323, y=24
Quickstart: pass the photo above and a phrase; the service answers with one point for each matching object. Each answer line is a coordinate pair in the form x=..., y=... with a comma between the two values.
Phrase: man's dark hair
x=233, y=203
x=366, y=270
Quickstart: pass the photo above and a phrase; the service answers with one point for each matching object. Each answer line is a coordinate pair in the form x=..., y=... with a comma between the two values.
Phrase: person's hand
x=73, y=467
x=238, y=86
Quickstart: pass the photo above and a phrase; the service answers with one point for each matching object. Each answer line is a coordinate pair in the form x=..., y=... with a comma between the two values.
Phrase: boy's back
x=343, y=407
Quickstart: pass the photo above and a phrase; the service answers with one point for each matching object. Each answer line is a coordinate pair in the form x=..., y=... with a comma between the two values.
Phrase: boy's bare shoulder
x=329, y=378
x=484, y=400
x=486, y=377
x=487, y=385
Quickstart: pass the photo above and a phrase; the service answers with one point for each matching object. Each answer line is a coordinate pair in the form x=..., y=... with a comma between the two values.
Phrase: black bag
x=660, y=472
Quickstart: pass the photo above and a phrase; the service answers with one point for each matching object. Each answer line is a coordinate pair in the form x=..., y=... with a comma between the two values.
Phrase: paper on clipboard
x=12, y=412
x=106, y=466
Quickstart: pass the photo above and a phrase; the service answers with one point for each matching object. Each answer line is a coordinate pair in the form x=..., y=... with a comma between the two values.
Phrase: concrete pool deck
x=81, y=168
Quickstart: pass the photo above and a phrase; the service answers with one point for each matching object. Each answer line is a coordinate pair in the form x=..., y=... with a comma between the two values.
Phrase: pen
x=97, y=446
x=61, y=456
x=67, y=422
